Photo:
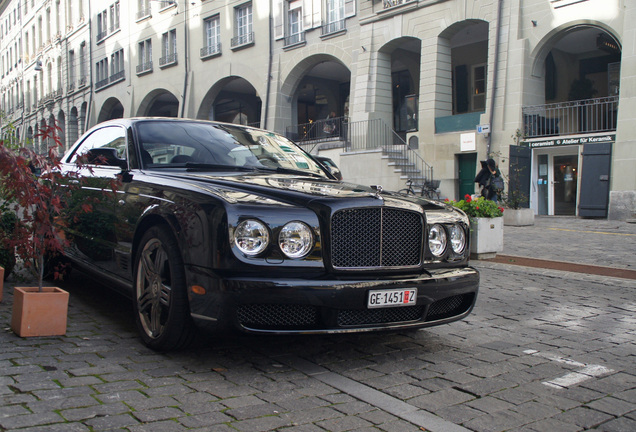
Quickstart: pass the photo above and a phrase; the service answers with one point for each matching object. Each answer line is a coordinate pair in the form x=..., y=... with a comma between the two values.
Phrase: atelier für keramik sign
x=583, y=139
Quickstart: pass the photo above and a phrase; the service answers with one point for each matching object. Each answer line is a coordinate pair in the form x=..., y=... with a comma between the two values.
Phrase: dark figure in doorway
x=490, y=180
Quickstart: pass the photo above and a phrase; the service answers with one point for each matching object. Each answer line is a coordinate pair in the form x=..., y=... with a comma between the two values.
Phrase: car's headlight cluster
x=295, y=239
x=251, y=237
x=446, y=240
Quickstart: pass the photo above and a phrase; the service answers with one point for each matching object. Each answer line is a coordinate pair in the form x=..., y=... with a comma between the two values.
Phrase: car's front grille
x=308, y=317
x=449, y=307
x=379, y=316
x=271, y=315
x=376, y=238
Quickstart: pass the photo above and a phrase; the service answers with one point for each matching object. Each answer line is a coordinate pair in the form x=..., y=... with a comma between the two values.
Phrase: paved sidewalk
x=544, y=350
x=576, y=240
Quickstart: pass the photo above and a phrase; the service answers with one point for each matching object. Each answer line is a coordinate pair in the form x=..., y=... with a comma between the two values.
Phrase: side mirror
x=105, y=156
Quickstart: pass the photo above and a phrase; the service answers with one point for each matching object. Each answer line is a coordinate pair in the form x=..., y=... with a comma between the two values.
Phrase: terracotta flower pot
x=39, y=313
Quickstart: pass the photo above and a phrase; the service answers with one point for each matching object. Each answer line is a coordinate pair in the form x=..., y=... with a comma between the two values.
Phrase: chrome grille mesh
x=450, y=306
x=376, y=237
x=271, y=315
x=379, y=316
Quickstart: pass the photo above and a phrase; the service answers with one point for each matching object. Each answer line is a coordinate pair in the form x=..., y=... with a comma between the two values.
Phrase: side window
x=106, y=146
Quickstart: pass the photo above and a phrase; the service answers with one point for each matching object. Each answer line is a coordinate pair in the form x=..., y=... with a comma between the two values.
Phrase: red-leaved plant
x=41, y=192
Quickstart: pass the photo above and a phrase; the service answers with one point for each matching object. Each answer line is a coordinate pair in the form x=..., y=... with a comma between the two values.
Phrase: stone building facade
x=390, y=89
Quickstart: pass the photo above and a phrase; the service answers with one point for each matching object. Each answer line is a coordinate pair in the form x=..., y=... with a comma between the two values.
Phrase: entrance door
x=467, y=165
x=542, y=186
x=565, y=180
x=595, y=180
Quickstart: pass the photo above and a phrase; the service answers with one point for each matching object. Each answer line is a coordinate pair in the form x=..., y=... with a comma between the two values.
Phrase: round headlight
x=437, y=240
x=457, y=239
x=295, y=239
x=251, y=237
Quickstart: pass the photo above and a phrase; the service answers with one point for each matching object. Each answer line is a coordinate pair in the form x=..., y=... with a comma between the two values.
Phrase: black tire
x=405, y=191
x=160, y=300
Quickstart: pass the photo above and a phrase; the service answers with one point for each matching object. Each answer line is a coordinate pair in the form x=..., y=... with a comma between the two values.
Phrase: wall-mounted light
x=38, y=66
x=534, y=23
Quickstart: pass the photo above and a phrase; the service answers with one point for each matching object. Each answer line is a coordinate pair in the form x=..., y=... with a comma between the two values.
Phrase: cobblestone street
x=543, y=350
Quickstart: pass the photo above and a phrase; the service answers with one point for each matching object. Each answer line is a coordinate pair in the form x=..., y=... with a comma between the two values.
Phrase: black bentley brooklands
x=221, y=226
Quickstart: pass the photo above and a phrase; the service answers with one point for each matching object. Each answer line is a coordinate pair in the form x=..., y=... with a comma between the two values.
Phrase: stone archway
x=232, y=100
x=159, y=103
x=111, y=109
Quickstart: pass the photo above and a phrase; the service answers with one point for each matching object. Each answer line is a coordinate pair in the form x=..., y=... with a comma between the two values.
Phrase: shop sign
x=579, y=140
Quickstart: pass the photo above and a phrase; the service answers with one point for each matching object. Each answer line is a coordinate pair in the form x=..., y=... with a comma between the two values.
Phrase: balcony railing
x=318, y=131
x=210, y=50
x=333, y=27
x=102, y=83
x=144, y=68
x=392, y=3
x=573, y=117
x=241, y=40
x=294, y=39
x=362, y=136
x=170, y=59
x=118, y=76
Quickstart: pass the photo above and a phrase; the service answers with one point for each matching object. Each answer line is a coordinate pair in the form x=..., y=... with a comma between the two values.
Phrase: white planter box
x=518, y=217
x=486, y=237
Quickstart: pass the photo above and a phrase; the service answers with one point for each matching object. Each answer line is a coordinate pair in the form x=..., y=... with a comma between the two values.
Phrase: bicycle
x=429, y=190
x=408, y=190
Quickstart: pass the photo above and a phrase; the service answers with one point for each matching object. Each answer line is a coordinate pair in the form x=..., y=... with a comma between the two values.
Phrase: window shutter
x=307, y=15
x=350, y=8
x=279, y=28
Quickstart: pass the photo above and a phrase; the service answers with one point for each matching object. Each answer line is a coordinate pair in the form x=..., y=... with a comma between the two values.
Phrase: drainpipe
x=494, y=77
x=186, y=59
x=269, y=65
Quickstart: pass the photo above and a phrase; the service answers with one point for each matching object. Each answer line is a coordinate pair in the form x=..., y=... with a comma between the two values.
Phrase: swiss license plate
x=392, y=298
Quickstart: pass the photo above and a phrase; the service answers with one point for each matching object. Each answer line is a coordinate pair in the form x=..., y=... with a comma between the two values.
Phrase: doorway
x=565, y=182
x=467, y=168
x=556, y=176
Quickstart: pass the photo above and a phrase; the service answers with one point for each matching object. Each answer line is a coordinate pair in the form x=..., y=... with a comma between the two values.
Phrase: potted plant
x=516, y=214
x=40, y=200
x=486, y=225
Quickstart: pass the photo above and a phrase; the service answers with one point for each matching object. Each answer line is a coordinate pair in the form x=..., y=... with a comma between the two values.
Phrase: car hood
x=292, y=189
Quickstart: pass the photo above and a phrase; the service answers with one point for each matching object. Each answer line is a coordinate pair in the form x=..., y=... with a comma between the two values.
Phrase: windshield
x=201, y=145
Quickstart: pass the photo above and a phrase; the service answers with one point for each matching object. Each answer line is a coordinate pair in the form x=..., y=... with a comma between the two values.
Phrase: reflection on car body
x=220, y=226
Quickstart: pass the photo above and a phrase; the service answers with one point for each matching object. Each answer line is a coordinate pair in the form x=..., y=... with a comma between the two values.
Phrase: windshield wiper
x=283, y=170
x=196, y=166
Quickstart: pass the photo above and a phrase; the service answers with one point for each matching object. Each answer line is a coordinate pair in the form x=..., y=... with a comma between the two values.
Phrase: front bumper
x=284, y=306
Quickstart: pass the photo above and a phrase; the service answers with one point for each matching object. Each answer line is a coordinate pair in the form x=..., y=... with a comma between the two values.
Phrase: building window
x=82, y=65
x=71, y=70
x=392, y=3
x=335, y=17
x=101, y=74
x=294, y=23
x=243, y=25
x=102, y=25
x=166, y=4
x=168, y=49
x=108, y=21
x=117, y=72
x=143, y=9
x=212, y=35
x=114, y=17
x=145, y=57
